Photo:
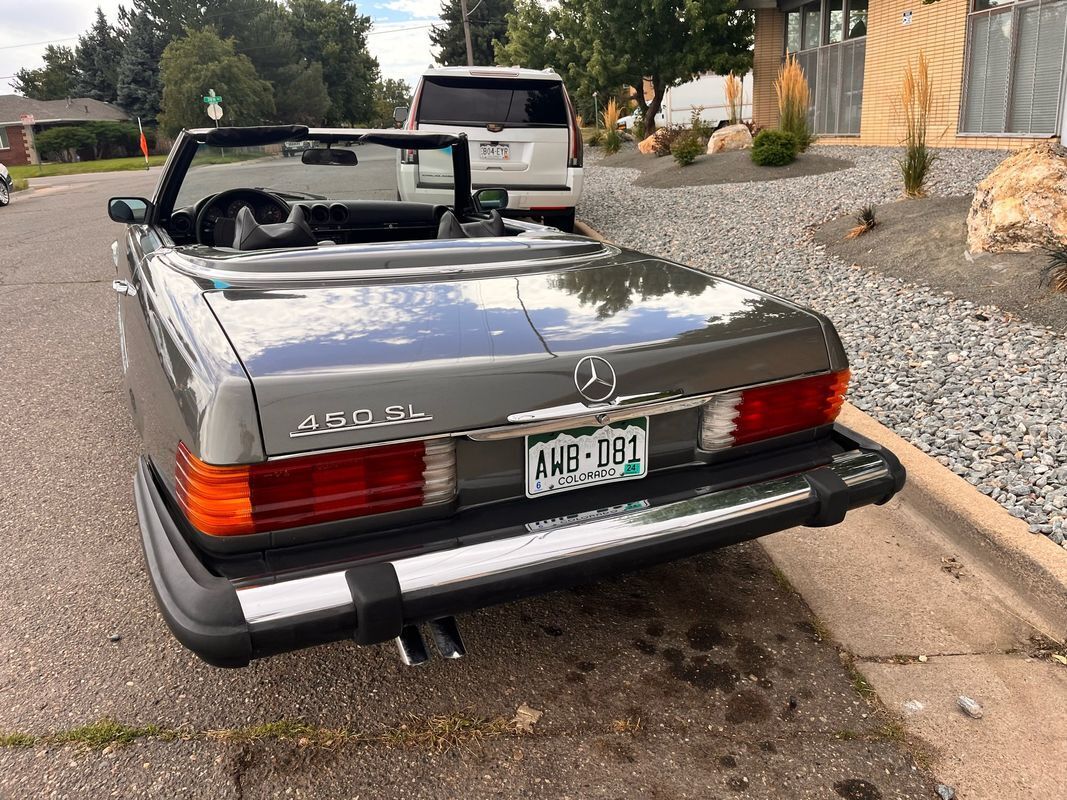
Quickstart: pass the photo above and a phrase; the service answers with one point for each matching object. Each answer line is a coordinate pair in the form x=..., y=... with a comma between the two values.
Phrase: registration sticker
x=590, y=456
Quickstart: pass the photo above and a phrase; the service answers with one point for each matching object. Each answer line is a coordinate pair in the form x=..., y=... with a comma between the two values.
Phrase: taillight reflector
x=763, y=412
x=236, y=500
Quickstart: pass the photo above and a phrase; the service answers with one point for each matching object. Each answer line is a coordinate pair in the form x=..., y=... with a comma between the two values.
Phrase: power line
x=37, y=44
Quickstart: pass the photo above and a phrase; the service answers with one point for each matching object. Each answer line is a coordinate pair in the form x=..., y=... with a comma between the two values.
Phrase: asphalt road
x=706, y=678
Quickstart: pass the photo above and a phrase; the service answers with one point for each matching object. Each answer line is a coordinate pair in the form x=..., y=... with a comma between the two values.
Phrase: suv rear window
x=481, y=101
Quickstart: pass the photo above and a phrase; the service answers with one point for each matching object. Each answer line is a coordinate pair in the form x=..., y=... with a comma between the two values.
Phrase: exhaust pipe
x=445, y=635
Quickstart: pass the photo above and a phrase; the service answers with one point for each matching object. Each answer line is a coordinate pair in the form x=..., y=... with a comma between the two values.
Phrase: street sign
x=212, y=98
x=214, y=111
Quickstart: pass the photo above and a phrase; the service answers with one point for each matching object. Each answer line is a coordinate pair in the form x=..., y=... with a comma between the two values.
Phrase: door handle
x=123, y=287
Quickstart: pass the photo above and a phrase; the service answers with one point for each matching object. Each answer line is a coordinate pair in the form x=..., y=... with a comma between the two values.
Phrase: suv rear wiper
x=294, y=194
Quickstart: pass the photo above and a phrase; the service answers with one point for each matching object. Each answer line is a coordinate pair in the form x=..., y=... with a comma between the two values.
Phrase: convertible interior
x=247, y=219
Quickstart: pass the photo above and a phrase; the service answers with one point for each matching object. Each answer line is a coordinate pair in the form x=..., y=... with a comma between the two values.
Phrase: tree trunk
x=653, y=107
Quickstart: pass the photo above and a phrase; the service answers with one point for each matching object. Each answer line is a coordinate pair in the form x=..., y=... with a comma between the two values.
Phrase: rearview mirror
x=400, y=113
x=490, y=199
x=329, y=157
x=128, y=210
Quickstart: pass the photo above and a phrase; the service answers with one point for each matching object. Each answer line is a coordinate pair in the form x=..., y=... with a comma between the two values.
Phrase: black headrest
x=294, y=232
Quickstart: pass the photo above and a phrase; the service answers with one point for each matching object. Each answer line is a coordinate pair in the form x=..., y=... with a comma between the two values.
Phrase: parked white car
x=523, y=137
x=627, y=122
x=5, y=186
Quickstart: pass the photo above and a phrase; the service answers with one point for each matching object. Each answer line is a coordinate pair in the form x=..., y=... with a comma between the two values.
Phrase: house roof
x=75, y=109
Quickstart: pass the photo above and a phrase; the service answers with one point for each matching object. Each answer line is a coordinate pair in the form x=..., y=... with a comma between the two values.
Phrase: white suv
x=523, y=137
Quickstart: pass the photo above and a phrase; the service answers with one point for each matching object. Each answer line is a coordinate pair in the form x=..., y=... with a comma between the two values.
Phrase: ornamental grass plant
x=916, y=100
x=732, y=88
x=610, y=118
x=794, y=98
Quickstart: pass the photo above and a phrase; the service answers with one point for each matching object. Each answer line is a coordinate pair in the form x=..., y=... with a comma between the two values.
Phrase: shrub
x=596, y=138
x=686, y=148
x=794, y=98
x=63, y=144
x=732, y=88
x=610, y=116
x=1054, y=276
x=612, y=141
x=698, y=126
x=665, y=137
x=774, y=148
x=916, y=97
x=864, y=222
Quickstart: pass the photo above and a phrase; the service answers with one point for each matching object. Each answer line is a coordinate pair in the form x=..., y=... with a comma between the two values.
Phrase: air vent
x=320, y=213
x=338, y=213
x=181, y=223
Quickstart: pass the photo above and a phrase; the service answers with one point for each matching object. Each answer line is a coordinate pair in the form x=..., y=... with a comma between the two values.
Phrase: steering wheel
x=205, y=221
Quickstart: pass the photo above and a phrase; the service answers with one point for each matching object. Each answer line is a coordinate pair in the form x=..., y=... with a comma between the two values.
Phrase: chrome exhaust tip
x=445, y=635
x=412, y=646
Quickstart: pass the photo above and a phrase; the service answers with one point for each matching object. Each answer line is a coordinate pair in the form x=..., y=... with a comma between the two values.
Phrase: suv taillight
x=763, y=412
x=577, y=149
x=250, y=498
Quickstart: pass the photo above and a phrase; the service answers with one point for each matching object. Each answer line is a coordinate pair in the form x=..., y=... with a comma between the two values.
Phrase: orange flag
x=144, y=142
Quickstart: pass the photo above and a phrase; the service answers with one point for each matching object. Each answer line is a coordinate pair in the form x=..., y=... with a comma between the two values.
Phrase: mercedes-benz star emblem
x=595, y=379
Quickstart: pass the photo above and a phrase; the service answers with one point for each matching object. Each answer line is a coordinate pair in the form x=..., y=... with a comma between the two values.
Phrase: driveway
x=707, y=678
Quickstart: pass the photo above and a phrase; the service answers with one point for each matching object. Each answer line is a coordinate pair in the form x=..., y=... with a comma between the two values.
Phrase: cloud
x=403, y=48
x=419, y=9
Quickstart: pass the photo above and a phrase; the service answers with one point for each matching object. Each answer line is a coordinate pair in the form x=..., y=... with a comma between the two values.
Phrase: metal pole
x=467, y=32
x=596, y=111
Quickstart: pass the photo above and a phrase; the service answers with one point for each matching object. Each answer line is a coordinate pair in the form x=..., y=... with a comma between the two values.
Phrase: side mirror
x=400, y=113
x=489, y=199
x=128, y=210
x=329, y=157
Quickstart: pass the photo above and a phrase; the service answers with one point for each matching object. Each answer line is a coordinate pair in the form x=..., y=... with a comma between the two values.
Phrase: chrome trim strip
x=441, y=569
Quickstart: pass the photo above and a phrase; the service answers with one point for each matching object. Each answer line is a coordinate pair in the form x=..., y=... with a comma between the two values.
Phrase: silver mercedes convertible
x=361, y=417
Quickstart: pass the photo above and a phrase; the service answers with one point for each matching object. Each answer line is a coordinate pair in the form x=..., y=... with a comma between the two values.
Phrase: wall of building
x=17, y=154
x=938, y=29
x=766, y=59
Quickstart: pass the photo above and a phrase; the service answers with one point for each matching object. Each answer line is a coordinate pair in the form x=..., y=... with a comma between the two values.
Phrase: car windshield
x=281, y=170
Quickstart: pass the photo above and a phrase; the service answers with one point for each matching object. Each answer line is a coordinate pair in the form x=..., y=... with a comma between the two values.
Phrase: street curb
x=1029, y=563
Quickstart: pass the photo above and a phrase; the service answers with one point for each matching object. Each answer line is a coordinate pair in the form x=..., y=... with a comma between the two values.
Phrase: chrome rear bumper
x=437, y=571
x=228, y=624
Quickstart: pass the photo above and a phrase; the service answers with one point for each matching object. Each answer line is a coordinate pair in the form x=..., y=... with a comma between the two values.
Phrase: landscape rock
x=970, y=707
x=731, y=137
x=1022, y=205
x=647, y=145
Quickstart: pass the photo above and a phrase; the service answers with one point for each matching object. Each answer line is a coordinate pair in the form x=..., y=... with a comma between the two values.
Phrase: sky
x=400, y=38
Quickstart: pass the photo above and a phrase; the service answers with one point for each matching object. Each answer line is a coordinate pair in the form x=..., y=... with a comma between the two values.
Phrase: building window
x=828, y=41
x=4, y=143
x=1015, y=67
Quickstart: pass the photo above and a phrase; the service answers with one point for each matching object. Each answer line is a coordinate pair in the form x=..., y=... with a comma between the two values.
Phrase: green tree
x=388, y=94
x=64, y=142
x=300, y=94
x=97, y=57
x=201, y=61
x=334, y=33
x=54, y=81
x=138, y=88
x=488, y=23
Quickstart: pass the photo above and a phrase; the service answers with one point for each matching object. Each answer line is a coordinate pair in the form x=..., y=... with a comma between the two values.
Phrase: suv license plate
x=495, y=152
x=580, y=457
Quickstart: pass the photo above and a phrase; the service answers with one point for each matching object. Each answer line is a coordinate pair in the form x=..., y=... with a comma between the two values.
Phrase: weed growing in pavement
x=98, y=735
x=17, y=740
x=864, y=222
x=916, y=100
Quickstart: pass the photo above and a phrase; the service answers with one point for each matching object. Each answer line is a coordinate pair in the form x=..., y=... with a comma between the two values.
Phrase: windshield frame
x=187, y=143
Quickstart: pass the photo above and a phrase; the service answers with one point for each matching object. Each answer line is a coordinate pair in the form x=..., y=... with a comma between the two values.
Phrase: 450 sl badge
x=337, y=421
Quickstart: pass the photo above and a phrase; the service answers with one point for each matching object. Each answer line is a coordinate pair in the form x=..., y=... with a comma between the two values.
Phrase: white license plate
x=495, y=152
x=580, y=457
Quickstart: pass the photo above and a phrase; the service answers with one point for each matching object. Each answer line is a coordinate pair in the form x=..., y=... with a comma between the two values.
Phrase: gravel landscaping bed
x=981, y=391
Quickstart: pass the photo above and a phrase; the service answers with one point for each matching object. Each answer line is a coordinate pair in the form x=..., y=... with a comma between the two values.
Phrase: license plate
x=495, y=152
x=580, y=457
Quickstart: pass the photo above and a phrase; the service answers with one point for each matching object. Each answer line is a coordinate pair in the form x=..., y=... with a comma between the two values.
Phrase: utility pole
x=467, y=32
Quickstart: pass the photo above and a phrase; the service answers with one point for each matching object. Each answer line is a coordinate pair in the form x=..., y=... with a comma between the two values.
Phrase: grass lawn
x=119, y=165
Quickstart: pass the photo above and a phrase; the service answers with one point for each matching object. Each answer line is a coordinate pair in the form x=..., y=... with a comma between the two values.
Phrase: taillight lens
x=576, y=155
x=236, y=500
x=763, y=412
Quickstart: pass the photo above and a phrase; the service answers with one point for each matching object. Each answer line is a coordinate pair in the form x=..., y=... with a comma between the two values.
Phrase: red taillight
x=763, y=412
x=235, y=500
x=576, y=154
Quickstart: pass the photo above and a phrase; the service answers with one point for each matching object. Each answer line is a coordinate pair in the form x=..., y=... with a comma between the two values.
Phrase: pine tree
x=54, y=81
x=97, y=57
x=487, y=21
x=139, y=90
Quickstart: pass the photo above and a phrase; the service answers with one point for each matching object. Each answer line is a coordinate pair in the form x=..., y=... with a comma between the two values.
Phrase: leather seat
x=250, y=235
x=451, y=228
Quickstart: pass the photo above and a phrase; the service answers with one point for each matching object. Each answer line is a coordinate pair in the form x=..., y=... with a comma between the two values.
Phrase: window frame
x=1009, y=7
x=5, y=140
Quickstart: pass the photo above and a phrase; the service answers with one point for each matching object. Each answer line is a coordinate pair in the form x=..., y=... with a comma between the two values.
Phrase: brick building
x=16, y=141
x=997, y=67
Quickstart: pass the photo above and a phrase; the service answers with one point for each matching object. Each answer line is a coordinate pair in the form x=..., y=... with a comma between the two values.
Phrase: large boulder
x=730, y=137
x=647, y=145
x=1022, y=205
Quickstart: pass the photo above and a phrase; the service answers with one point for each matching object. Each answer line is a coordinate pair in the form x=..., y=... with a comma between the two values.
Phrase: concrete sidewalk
x=893, y=584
